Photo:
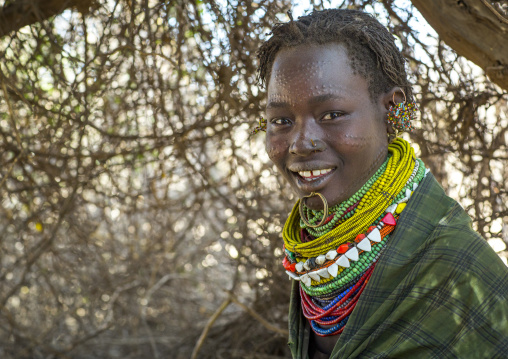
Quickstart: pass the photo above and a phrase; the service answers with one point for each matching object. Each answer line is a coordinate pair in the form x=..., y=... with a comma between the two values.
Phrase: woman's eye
x=280, y=121
x=332, y=115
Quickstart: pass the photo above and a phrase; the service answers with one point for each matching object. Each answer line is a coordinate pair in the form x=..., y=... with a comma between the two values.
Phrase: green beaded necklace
x=367, y=258
x=340, y=209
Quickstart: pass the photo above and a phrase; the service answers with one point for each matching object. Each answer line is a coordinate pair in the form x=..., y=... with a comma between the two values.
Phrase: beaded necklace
x=371, y=206
x=337, y=311
x=334, y=262
x=342, y=209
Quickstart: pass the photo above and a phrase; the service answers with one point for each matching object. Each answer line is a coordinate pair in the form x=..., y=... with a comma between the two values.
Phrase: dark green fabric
x=438, y=291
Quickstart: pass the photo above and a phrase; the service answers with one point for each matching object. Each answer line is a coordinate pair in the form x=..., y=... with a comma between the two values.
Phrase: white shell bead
x=292, y=275
x=299, y=267
x=331, y=255
x=352, y=254
x=333, y=269
x=323, y=272
x=391, y=209
x=364, y=245
x=375, y=235
x=320, y=259
x=342, y=261
x=306, y=265
x=403, y=200
x=306, y=280
x=314, y=275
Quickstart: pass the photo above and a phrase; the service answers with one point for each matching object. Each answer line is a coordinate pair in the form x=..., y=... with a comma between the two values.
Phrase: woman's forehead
x=311, y=72
x=280, y=72
x=304, y=56
x=307, y=61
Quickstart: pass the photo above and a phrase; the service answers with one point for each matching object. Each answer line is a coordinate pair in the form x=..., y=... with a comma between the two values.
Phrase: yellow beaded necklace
x=373, y=204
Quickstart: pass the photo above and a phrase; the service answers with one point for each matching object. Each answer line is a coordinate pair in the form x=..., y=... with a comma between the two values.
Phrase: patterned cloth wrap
x=438, y=291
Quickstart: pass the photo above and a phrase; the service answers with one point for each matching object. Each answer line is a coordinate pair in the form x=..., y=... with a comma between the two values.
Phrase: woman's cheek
x=276, y=148
x=356, y=141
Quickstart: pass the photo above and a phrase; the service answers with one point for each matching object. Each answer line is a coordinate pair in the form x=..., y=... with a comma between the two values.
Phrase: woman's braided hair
x=371, y=48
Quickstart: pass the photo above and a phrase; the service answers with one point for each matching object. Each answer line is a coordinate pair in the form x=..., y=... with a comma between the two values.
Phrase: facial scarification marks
x=356, y=141
x=331, y=89
x=304, y=94
x=305, y=68
x=279, y=98
x=302, y=72
x=357, y=137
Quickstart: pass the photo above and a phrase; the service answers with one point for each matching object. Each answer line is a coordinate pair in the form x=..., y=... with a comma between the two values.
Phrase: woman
x=384, y=263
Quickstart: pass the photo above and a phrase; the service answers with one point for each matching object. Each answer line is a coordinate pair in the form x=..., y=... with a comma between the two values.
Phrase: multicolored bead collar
x=333, y=258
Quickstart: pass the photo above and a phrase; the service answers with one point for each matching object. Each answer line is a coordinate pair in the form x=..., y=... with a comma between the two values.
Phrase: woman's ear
x=390, y=99
x=393, y=97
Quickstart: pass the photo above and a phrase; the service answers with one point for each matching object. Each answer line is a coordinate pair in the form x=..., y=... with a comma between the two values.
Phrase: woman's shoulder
x=433, y=222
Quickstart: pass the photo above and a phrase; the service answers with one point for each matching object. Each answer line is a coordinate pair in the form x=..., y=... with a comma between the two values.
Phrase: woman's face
x=325, y=134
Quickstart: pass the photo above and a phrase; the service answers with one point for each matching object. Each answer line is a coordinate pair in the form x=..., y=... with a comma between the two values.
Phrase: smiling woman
x=384, y=263
x=324, y=121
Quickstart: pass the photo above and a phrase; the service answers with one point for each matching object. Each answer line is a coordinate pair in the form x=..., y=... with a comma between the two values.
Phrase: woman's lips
x=310, y=175
x=311, y=181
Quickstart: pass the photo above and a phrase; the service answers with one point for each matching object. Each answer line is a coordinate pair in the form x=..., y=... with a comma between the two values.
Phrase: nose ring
x=313, y=144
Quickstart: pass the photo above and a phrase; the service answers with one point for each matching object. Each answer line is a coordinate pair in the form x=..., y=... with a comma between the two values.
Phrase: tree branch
x=259, y=318
x=474, y=31
x=21, y=13
x=205, y=331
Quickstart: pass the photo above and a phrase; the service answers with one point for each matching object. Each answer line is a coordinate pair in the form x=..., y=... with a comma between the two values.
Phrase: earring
x=261, y=127
x=401, y=115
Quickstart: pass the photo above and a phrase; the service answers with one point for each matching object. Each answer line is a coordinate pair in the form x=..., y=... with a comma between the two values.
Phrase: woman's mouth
x=314, y=174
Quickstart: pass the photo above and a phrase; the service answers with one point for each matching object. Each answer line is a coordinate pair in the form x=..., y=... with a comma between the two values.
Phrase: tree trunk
x=475, y=30
x=26, y=12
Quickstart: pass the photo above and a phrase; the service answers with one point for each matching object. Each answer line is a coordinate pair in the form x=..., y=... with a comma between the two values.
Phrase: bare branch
x=20, y=13
x=473, y=30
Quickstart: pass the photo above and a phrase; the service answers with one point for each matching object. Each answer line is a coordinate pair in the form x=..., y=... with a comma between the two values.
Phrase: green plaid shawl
x=438, y=291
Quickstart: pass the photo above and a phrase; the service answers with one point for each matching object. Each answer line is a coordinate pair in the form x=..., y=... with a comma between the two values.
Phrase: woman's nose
x=306, y=142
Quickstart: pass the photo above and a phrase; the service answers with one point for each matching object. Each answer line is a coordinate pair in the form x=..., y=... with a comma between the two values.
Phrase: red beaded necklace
x=338, y=310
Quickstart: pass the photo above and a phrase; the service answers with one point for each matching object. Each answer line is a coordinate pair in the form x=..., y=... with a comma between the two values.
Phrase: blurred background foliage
x=135, y=207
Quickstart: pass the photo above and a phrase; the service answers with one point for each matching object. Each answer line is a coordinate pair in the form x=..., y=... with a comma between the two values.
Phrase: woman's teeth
x=314, y=173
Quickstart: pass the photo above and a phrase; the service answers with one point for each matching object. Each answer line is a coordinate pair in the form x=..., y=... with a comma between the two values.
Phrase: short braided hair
x=371, y=48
